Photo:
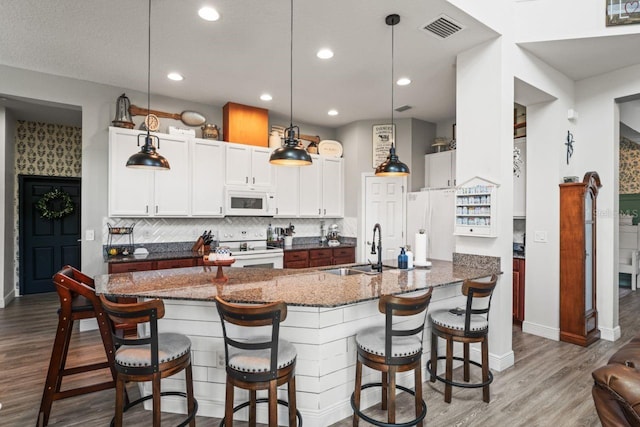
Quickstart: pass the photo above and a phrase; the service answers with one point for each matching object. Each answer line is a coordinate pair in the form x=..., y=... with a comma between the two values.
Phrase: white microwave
x=249, y=202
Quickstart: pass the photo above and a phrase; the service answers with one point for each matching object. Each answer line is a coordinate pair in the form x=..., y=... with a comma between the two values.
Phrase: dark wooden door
x=46, y=245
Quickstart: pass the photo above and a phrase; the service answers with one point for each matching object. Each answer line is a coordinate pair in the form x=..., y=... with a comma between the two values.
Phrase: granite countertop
x=153, y=256
x=313, y=287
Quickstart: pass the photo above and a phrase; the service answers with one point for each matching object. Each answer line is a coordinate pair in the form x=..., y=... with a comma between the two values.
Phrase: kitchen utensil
x=189, y=118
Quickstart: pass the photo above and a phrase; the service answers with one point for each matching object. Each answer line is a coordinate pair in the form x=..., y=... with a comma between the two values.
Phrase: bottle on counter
x=402, y=259
x=269, y=233
x=409, y=258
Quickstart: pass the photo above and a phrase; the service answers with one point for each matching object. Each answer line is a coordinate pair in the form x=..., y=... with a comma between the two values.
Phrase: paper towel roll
x=420, y=249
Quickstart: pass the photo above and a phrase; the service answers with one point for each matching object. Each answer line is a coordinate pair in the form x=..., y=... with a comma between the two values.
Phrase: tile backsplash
x=163, y=230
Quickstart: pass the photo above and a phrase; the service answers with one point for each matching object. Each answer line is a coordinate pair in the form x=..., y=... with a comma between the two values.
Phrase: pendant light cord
x=149, y=67
x=393, y=130
x=291, y=70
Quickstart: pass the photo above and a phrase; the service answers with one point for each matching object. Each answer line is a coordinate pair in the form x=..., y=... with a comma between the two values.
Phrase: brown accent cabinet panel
x=175, y=263
x=344, y=255
x=245, y=125
x=578, y=309
x=296, y=259
x=128, y=267
x=518, y=290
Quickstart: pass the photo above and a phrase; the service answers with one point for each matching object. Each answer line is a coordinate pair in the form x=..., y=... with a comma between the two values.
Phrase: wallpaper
x=48, y=150
x=629, y=167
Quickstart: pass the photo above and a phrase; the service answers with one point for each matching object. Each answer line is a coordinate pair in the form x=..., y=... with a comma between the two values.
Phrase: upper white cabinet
x=139, y=193
x=332, y=187
x=520, y=179
x=248, y=166
x=208, y=173
x=311, y=189
x=440, y=169
x=287, y=187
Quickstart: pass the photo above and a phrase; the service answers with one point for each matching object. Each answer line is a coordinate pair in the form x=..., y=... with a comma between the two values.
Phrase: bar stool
x=469, y=325
x=78, y=300
x=390, y=349
x=257, y=363
x=149, y=358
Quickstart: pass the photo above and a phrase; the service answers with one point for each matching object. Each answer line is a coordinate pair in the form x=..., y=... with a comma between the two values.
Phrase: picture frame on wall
x=382, y=138
x=622, y=12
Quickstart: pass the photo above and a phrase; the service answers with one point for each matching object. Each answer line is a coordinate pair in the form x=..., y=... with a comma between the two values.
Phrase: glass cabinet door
x=588, y=251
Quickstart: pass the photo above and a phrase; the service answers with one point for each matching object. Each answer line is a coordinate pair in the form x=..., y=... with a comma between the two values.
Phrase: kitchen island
x=325, y=311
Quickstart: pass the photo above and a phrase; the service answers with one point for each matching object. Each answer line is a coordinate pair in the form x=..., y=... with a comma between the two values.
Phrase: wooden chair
x=149, y=358
x=258, y=363
x=78, y=300
x=468, y=325
x=390, y=349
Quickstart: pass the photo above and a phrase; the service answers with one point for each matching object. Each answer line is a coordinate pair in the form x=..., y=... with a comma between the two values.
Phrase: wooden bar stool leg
x=252, y=407
x=485, y=368
x=228, y=406
x=356, y=392
x=190, y=398
x=434, y=357
x=385, y=392
x=466, y=361
x=156, y=400
x=291, y=389
x=417, y=378
x=120, y=390
x=391, y=391
x=273, y=403
x=448, y=370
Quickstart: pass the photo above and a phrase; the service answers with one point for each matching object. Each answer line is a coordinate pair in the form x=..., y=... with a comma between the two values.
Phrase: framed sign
x=622, y=12
x=383, y=137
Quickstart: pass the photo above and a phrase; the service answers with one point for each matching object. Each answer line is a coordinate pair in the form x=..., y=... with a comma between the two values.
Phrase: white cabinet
x=311, y=189
x=138, y=192
x=248, y=166
x=332, y=187
x=476, y=208
x=440, y=169
x=520, y=179
x=314, y=191
x=287, y=187
x=207, y=177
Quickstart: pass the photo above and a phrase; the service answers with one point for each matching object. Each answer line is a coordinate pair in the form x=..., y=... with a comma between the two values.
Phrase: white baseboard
x=610, y=334
x=541, y=330
x=6, y=299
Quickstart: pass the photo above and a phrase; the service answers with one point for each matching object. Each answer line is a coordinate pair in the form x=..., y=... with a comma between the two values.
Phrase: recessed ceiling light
x=175, y=76
x=209, y=14
x=266, y=97
x=403, y=81
x=333, y=112
x=325, y=54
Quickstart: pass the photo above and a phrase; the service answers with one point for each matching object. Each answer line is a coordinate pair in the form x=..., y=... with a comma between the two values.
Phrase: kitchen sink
x=343, y=271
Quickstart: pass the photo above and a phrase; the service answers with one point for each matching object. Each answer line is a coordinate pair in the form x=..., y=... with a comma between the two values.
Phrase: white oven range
x=249, y=248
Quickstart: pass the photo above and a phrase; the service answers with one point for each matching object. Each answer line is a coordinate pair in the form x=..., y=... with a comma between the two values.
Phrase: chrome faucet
x=378, y=266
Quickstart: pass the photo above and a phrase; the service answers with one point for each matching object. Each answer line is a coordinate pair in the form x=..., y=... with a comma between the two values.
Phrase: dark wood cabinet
x=130, y=267
x=319, y=257
x=518, y=290
x=175, y=263
x=578, y=312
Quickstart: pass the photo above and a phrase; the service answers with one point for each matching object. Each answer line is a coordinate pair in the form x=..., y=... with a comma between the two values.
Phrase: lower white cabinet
x=207, y=177
x=141, y=193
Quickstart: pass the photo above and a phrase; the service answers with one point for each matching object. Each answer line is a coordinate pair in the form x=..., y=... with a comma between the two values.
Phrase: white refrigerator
x=432, y=210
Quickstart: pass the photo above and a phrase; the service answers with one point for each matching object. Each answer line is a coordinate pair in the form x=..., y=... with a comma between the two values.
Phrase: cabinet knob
x=254, y=180
x=246, y=179
x=220, y=209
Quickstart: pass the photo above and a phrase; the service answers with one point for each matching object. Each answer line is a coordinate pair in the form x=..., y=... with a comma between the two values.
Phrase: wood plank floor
x=550, y=384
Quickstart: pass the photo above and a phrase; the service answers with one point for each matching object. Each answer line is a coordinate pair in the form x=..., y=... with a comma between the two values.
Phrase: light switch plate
x=90, y=235
x=540, y=236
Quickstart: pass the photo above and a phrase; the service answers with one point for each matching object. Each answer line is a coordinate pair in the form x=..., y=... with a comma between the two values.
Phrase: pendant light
x=290, y=154
x=147, y=157
x=392, y=166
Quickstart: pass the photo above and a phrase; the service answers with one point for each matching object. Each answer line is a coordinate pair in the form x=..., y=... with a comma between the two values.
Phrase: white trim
x=541, y=330
x=610, y=334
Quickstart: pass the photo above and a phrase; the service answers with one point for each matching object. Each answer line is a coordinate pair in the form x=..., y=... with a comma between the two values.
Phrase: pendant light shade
x=392, y=166
x=147, y=157
x=290, y=154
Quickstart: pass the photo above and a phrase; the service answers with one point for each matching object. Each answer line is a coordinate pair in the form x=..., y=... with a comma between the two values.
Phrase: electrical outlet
x=220, y=362
x=540, y=236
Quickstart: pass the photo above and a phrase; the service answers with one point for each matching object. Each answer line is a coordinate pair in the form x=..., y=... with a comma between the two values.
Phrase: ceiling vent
x=442, y=27
x=402, y=108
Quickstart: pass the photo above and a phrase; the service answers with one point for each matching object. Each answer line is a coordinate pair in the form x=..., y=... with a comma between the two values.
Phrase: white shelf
x=475, y=208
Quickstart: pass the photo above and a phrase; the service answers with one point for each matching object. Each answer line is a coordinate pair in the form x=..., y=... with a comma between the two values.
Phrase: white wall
x=484, y=113
x=7, y=265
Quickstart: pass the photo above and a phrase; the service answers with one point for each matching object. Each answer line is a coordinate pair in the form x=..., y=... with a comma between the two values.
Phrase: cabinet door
x=520, y=181
x=332, y=188
x=129, y=267
x=310, y=189
x=238, y=163
x=172, y=187
x=261, y=169
x=438, y=169
x=208, y=168
x=130, y=190
x=175, y=263
x=287, y=187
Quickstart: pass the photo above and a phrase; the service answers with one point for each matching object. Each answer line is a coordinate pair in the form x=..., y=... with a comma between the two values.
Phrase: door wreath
x=48, y=201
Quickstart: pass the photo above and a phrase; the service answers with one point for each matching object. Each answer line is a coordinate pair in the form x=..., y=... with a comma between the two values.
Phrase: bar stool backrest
x=253, y=316
x=391, y=306
x=139, y=312
x=70, y=284
x=479, y=294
